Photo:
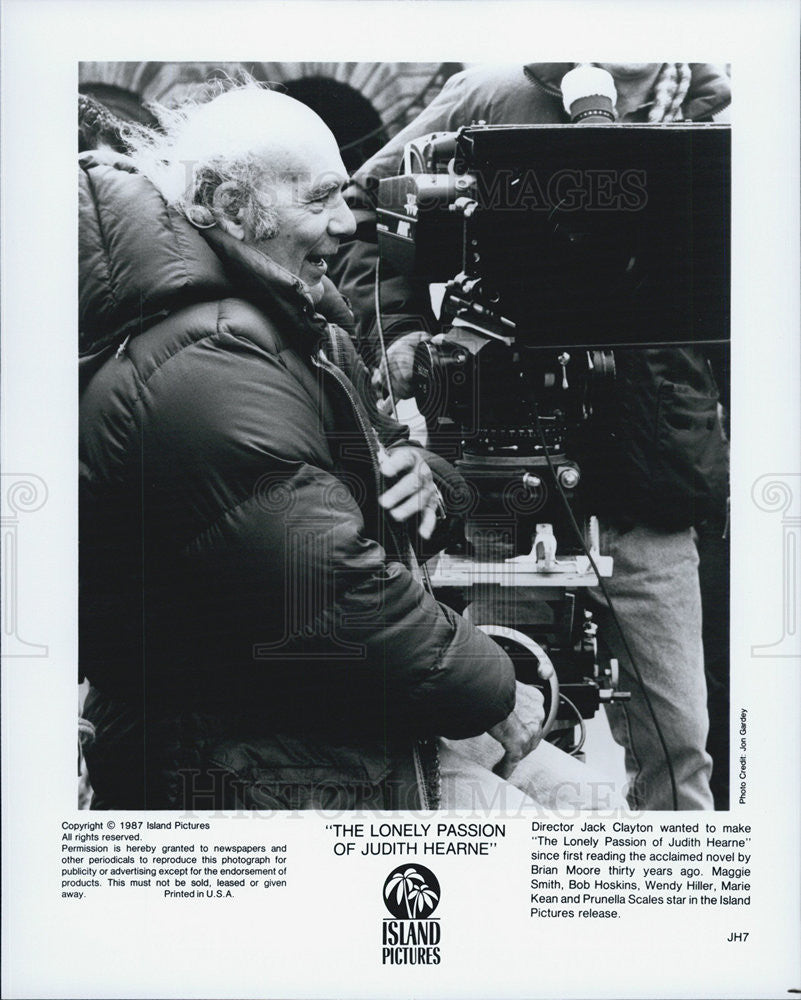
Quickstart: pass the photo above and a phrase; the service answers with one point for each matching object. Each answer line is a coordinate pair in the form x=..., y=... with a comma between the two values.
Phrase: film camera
x=557, y=245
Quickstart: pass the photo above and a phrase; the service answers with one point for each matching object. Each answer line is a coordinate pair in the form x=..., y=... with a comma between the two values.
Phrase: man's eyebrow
x=326, y=187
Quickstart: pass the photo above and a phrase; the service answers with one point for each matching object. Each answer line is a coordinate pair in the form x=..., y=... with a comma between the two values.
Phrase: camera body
x=581, y=236
x=557, y=245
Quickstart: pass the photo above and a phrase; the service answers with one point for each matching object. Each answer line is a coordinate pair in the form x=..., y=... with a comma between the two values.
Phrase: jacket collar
x=548, y=75
x=276, y=292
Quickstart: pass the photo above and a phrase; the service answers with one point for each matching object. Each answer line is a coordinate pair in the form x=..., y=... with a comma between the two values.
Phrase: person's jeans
x=547, y=778
x=655, y=591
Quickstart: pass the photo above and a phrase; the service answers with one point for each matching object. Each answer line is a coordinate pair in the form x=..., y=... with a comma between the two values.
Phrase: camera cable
x=384, y=360
x=418, y=567
x=579, y=721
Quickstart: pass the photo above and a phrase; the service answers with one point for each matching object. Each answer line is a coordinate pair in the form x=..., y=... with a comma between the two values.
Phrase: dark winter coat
x=660, y=458
x=250, y=631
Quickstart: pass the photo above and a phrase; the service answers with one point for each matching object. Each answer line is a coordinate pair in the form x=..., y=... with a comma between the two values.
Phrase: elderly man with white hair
x=251, y=626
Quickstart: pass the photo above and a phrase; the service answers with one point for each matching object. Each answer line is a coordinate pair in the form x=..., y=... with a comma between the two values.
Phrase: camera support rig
x=524, y=584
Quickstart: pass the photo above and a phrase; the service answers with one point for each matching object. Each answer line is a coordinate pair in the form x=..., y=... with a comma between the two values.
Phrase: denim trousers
x=655, y=592
x=547, y=778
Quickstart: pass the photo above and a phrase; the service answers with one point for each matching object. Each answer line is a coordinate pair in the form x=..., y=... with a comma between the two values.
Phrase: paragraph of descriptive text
x=605, y=868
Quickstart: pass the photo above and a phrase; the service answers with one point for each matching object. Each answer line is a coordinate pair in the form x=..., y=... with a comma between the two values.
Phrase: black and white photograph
x=265, y=620
x=407, y=501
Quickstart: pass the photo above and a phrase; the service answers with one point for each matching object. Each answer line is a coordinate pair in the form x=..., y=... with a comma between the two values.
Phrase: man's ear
x=228, y=208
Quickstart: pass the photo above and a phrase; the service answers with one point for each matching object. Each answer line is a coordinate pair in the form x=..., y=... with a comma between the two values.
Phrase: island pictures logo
x=412, y=935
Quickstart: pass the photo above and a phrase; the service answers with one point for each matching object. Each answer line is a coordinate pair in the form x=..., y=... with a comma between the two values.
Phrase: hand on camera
x=400, y=360
x=413, y=492
x=521, y=730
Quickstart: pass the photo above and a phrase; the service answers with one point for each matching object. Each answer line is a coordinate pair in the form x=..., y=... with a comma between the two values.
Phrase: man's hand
x=400, y=361
x=414, y=492
x=521, y=730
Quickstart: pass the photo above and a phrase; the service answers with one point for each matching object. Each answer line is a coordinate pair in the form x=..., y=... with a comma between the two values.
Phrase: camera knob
x=569, y=477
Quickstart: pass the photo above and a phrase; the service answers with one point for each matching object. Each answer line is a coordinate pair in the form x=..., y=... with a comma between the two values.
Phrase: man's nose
x=342, y=222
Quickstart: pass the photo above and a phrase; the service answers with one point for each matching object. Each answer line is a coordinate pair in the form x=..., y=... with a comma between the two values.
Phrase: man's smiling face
x=311, y=216
x=281, y=177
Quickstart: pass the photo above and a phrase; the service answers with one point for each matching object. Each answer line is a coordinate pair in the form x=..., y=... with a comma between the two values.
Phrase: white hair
x=236, y=139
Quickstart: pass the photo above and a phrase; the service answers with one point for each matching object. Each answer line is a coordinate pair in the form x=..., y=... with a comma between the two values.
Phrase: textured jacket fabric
x=660, y=458
x=247, y=623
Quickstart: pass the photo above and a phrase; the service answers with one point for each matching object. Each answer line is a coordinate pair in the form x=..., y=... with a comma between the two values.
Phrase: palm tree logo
x=411, y=892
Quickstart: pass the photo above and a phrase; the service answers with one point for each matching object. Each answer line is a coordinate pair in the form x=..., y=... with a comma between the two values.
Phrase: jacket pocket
x=690, y=472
